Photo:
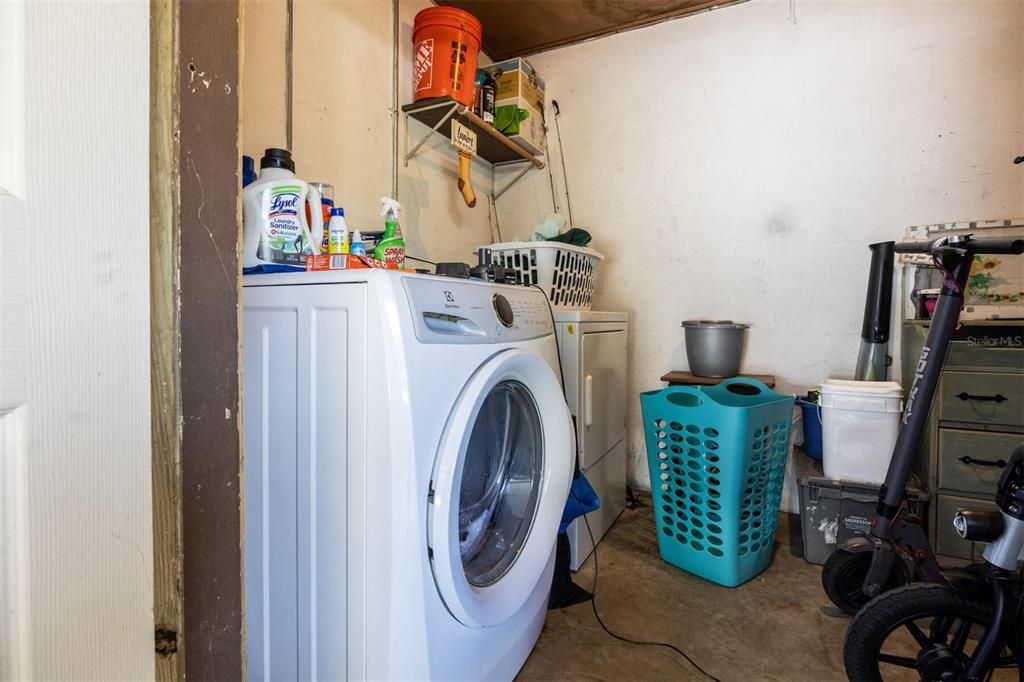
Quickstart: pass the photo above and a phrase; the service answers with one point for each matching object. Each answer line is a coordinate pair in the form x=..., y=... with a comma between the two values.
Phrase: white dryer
x=593, y=347
x=408, y=453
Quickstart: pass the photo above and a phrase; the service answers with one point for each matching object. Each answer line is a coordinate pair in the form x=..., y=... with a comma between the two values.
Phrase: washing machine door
x=499, y=485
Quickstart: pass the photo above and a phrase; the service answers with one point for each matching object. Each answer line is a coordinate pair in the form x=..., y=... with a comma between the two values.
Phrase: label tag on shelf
x=463, y=138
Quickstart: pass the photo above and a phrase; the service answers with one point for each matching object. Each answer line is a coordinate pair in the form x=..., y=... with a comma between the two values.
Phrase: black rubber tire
x=873, y=624
x=843, y=574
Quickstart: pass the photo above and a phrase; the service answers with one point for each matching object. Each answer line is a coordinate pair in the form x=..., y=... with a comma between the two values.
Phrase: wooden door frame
x=194, y=297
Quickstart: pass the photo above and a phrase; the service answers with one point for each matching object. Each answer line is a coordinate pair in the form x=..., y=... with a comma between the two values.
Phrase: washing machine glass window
x=500, y=479
x=501, y=482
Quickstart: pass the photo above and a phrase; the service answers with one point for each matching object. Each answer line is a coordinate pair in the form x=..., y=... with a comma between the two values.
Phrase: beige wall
x=736, y=165
x=342, y=119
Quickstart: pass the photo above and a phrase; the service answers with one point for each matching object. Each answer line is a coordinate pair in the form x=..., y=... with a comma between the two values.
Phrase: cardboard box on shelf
x=519, y=103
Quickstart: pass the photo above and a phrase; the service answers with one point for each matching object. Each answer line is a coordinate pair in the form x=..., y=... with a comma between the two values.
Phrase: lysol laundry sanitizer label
x=283, y=240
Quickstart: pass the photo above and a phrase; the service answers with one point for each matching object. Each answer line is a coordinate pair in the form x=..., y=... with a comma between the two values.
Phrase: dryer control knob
x=503, y=309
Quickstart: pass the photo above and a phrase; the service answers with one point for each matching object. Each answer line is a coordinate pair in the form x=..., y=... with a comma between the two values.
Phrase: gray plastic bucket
x=714, y=348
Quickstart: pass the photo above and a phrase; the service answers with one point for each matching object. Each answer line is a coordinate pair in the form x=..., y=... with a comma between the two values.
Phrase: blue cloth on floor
x=582, y=500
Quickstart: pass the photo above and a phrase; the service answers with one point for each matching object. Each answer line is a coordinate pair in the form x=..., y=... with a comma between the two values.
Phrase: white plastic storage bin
x=566, y=273
x=860, y=421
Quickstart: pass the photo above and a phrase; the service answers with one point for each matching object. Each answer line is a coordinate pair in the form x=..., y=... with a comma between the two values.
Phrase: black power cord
x=420, y=260
x=638, y=642
x=590, y=532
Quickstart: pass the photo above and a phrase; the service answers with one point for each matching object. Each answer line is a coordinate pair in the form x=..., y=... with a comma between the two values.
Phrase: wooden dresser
x=977, y=418
x=975, y=423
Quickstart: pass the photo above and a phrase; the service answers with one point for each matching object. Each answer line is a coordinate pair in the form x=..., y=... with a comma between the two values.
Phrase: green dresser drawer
x=947, y=542
x=982, y=398
x=977, y=355
x=986, y=446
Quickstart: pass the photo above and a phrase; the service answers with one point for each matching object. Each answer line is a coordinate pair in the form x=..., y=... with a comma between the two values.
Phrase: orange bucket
x=445, y=44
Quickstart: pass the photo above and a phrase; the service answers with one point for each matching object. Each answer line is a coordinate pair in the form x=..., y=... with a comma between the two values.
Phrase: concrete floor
x=778, y=626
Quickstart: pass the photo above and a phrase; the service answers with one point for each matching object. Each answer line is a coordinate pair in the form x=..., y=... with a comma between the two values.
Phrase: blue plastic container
x=811, y=420
x=717, y=458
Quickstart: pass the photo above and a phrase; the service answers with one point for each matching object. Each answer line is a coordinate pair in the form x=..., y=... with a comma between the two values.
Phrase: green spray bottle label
x=391, y=248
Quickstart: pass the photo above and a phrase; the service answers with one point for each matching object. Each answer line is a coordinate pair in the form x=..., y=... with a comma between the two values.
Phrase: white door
x=76, y=525
x=601, y=421
x=499, y=485
x=13, y=380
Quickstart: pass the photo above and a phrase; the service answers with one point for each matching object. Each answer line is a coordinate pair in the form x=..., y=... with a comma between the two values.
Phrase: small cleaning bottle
x=337, y=232
x=357, y=248
x=391, y=248
x=326, y=191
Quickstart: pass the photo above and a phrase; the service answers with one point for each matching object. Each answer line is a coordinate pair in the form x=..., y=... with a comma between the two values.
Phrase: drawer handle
x=997, y=398
x=983, y=462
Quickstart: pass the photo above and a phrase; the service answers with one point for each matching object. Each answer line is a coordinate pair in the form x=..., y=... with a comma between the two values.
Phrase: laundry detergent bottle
x=275, y=231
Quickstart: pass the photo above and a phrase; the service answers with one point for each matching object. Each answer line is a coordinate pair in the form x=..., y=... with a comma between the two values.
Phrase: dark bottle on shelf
x=484, y=96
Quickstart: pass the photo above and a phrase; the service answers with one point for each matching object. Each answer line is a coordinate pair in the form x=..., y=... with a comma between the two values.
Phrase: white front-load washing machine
x=408, y=453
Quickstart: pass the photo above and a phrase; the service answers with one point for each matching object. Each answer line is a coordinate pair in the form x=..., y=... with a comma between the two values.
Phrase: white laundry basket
x=860, y=421
x=566, y=273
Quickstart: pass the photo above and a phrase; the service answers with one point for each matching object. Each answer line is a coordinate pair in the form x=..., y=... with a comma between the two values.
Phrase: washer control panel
x=446, y=310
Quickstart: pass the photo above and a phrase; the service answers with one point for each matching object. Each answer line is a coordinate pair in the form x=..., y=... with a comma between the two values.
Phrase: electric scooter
x=896, y=551
x=967, y=633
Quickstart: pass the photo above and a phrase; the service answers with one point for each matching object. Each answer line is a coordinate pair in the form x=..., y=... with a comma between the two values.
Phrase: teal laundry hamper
x=717, y=458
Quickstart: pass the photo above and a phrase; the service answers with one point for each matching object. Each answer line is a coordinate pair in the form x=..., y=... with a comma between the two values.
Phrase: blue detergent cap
x=338, y=211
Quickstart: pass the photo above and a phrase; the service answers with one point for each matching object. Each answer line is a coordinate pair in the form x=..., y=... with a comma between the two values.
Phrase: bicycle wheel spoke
x=902, y=661
x=916, y=632
x=960, y=638
x=940, y=628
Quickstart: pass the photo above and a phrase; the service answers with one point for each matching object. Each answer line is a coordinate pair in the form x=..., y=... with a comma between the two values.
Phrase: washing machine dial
x=503, y=309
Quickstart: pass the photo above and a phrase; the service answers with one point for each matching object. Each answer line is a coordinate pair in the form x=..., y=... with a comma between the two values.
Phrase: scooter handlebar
x=985, y=245
x=914, y=247
x=1013, y=246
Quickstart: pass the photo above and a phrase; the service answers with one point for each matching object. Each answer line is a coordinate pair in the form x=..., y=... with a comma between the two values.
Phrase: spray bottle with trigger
x=391, y=248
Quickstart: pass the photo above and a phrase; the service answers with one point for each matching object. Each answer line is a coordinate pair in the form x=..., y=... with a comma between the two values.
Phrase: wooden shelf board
x=492, y=146
x=690, y=379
